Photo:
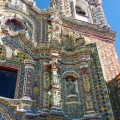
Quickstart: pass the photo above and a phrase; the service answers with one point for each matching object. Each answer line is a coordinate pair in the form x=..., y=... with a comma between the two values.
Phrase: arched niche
x=70, y=73
x=71, y=87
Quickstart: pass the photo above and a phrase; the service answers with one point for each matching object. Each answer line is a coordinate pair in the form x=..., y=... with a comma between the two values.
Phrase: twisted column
x=101, y=15
x=61, y=7
x=67, y=7
x=94, y=16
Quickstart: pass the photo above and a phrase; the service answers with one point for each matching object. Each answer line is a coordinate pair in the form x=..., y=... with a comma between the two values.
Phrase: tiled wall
x=108, y=57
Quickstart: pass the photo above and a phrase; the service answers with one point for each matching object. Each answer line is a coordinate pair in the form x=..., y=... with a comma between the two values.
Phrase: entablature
x=88, y=28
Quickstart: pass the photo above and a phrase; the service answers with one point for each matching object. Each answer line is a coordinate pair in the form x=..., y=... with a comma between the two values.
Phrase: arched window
x=79, y=11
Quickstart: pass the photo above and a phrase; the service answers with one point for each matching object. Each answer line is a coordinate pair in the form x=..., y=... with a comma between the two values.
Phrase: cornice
x=33, y=7
x=88, y=28
x=5, y=104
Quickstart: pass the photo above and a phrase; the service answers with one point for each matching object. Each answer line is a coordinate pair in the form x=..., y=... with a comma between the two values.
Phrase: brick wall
x=108, y=57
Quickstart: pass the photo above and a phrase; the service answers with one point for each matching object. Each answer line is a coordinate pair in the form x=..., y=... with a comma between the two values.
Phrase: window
x=8, y=79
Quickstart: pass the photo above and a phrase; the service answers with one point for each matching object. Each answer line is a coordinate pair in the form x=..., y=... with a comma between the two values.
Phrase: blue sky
x=112, y=12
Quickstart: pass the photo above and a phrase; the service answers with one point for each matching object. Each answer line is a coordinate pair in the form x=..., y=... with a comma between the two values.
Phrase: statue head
x=12, y=26
x=69, y=80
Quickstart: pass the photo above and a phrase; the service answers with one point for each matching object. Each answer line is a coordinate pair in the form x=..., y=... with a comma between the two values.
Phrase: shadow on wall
x=114, y=92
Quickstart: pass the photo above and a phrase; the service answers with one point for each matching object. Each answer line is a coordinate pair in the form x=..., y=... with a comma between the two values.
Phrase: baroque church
x=59, y=63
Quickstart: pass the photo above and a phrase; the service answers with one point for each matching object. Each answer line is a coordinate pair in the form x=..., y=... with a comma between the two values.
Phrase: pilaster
x=89, y=111
x=46, y=89
x=28, y=79
x=56, y=108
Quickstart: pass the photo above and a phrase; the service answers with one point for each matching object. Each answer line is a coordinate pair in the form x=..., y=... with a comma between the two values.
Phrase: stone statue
x=12, y=26
x=71, y=87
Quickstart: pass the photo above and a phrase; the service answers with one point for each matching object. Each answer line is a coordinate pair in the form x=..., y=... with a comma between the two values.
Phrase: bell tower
x=80, y=10
x=85, y=10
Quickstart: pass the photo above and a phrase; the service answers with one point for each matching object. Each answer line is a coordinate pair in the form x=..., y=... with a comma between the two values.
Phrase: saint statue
x=71, y=87
x=12, y=26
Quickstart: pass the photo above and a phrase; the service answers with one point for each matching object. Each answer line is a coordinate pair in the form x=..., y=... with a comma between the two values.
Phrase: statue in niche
x=71, y=87
x=12, y=26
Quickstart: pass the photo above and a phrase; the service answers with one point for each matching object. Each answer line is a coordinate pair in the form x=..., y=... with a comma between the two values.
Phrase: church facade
x=57, y=64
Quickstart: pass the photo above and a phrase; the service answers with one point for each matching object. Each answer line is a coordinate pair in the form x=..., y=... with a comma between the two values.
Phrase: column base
x=56, y=111
x=73, y=98
x=26, y=97
x=45, y=111
x=53, y=117
x=91, y=114
x=26, y=103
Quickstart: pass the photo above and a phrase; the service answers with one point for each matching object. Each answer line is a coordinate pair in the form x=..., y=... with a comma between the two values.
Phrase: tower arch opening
x=79, y=11
x=82, y=11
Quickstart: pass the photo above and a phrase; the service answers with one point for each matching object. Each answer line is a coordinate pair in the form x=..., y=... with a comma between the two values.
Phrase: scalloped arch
x=70, y=73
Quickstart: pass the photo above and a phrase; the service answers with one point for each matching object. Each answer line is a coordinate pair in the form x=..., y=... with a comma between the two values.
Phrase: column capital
x=84, y=65
x=46, y=67
x=53, y=64
x=29, y=62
